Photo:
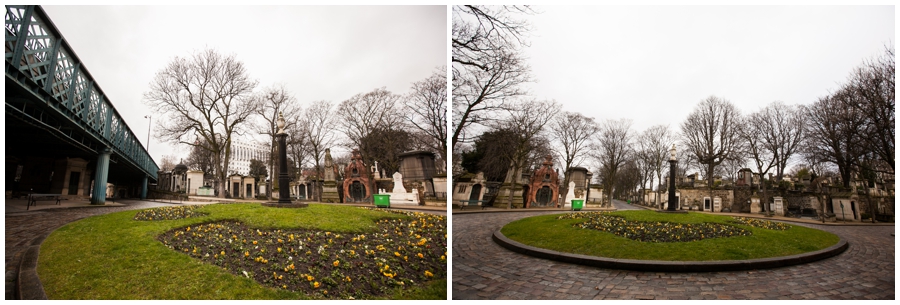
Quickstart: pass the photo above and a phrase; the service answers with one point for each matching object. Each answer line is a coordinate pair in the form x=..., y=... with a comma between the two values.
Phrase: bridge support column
x=100, y=174
x=144, y=189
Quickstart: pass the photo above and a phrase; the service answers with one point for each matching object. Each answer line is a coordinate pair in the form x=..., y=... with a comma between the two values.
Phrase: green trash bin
x=382, y=200
x=577, y=204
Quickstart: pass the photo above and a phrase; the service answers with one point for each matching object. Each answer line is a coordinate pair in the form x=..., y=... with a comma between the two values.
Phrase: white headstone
x=779, y=205
x=571, y=193
x=398, y=183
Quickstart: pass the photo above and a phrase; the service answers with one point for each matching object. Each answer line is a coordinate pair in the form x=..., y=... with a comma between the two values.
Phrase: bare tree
x=573, y=132
x=426, y=110
x=273, y=101
x=710, y=133
x=835, y=132
x=205, y=96
x=780, y=127
x=753, y=135
x=873, y=83
x=202, y=160
x=655, y=142
x=317, y=128
x=488, y=68
x=613, y=149
x=364, y=112
x=297, y=147
x=168, y=163
x=528, y=122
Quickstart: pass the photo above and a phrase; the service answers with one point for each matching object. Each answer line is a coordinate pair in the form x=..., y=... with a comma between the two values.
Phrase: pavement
x=26, y=227
x=482, y=269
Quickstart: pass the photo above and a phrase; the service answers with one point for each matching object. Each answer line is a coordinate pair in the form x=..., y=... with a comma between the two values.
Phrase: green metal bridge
x=57, y=115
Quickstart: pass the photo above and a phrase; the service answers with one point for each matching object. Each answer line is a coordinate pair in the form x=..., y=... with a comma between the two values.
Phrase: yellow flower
x=309, y=278
x=254, y=242
x=395, y=253
x=336, y=263
x=420, y=255
x=246, y=254
x=348, y=279
x=279, y=250
x=428, y=273
x=316, y=285
x=223, y=252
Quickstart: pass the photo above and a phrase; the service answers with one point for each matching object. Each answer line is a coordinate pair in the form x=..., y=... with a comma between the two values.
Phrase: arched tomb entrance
x=357, y=184
x=543, y=189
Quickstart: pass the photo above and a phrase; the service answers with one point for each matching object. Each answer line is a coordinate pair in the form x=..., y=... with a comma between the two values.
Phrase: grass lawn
x=247, y=251
x=563, y=235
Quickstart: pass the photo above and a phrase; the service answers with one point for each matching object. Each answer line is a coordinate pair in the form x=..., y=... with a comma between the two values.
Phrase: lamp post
x=148, y=131
x=284, y=195
x=587, y=186
x=673, y=201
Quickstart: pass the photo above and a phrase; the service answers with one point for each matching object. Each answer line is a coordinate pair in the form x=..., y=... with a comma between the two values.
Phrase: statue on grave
x=329, y=166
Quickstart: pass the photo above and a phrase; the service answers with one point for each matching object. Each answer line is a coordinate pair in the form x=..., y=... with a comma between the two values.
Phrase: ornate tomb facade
x=357, y=185
x=543, y=189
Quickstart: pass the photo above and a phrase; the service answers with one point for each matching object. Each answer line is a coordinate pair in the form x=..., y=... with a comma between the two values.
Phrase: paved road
x=484, y=270
x=621, y=205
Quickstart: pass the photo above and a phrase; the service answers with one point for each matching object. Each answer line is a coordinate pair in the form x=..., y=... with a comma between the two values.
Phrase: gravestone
x=399, y=194
x=570, y=195
x=779, y=206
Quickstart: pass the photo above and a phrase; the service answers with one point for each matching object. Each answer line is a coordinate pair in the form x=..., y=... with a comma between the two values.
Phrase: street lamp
x=148, y=131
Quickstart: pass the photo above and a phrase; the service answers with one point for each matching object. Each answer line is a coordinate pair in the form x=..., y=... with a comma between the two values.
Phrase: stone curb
x=670, y=266
x=28, y=284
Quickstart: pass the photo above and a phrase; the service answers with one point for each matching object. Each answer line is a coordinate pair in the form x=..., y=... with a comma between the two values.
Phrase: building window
x=462, y=189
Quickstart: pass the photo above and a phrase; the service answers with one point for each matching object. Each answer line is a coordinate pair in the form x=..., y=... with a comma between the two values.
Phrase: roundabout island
x=650, y=241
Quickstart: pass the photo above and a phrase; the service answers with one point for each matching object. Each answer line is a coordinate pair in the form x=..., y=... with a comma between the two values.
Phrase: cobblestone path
x=484, y=270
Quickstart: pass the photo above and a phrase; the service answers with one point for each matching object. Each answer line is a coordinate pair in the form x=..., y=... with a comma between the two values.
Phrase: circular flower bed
x=757, y=223
x=655, y=232
x=168, y=213
x=326, y=264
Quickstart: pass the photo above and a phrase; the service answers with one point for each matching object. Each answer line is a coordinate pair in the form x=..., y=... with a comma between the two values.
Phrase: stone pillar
x=100, y=175
x=673, y=201
x=284, y=191
x=144, y=189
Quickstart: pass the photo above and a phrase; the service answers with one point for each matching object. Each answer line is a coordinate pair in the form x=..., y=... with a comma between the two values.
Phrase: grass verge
x=116, y=257
x=548, y=232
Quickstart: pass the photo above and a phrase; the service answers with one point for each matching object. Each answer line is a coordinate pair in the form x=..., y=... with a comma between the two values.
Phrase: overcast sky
x=653, y=64
x=317, y=52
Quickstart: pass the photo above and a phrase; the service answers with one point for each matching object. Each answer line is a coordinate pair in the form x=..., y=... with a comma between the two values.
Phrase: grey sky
x=317, y=52
x=653, y=64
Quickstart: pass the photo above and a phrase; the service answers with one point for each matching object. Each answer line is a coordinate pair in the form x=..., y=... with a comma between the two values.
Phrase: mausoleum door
x=357, y=191
x=235, y=190
x=543, y=196
x=476, y=192
x=74, y=178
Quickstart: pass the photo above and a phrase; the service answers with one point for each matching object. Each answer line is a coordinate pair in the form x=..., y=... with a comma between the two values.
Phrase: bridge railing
x=36, y=50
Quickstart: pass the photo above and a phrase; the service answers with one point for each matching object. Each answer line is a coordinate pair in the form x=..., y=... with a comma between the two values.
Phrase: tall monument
x=329, y=185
